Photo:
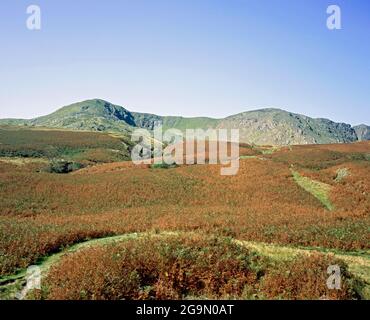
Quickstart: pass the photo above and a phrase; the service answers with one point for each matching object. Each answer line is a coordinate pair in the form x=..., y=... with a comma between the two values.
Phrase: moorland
x=101, y=227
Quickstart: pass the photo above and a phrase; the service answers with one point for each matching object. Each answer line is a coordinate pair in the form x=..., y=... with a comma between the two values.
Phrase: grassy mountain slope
x=149, y=121
x=264, y=127
x=57, y=144
x=189, y=123
x=279, y=127
x=13, y=122
x=96, y=115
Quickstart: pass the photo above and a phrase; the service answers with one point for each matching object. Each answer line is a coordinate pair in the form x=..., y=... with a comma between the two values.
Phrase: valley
x=299, y=208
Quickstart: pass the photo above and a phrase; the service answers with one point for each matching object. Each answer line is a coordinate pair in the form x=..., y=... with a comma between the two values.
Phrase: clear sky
x=187, y=57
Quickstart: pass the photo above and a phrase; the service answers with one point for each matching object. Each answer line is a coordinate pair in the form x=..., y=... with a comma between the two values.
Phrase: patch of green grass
x=248, y=157
x=318, y=189
x=252, y=157
x=274, y=252
x=163, y=166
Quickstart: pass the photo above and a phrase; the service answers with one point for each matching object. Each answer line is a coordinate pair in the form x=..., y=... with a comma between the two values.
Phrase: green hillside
x=261, y=127
x=279, y=127
x=96, y=115
x=63, y=145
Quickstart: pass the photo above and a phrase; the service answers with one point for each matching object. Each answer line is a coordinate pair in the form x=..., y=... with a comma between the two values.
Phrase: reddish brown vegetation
x=42, y=212
x=305, y=278
x=183, y=267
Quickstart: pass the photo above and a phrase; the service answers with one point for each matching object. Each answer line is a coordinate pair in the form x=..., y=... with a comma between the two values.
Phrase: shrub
x=191, y=266
x=163, y=166
x=61, y=166
x=305, y=278
x=152, y=268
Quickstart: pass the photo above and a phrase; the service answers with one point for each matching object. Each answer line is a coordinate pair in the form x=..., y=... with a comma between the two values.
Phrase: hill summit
x=268, y=126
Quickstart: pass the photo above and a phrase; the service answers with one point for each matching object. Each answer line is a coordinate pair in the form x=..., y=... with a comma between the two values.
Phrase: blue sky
x=187, y=57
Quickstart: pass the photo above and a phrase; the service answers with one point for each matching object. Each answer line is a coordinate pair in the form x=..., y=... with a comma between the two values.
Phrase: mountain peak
x=93, y=114
x=268, y=126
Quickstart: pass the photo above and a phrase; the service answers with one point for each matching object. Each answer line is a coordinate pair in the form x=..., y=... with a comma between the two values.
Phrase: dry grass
x=42, y=212
x=189, y=266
